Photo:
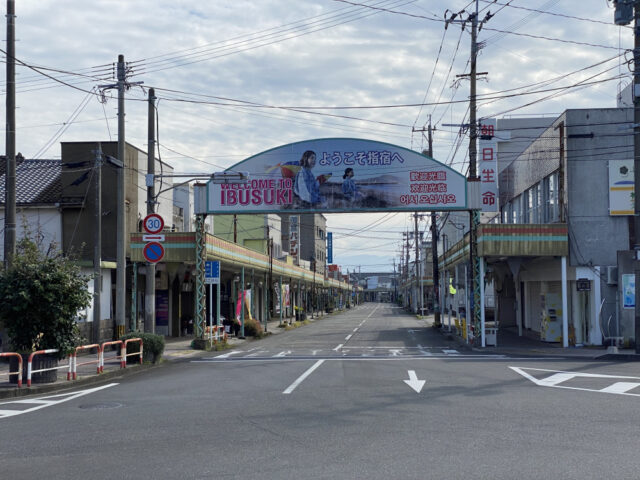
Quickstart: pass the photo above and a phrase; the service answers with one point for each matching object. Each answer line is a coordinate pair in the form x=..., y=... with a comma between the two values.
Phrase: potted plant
x=40, y=297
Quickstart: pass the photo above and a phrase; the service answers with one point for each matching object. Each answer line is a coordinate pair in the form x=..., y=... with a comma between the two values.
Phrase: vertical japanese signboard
x=294, y=238
x=488, y=165
x=329, y=247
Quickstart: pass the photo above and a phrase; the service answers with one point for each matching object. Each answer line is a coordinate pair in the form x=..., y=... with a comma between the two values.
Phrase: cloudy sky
x=237, y=77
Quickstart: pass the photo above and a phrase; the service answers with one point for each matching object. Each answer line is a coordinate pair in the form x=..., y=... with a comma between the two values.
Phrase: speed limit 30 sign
x=153, y=223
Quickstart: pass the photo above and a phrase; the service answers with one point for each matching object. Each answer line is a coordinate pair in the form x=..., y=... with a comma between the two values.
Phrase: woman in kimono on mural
x=306, y=186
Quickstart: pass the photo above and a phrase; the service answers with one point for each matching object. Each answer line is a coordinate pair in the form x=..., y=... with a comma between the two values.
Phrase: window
x=550, y=192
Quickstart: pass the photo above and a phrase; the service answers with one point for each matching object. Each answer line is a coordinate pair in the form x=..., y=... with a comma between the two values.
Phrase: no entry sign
x=153, y=252
x=153, y=223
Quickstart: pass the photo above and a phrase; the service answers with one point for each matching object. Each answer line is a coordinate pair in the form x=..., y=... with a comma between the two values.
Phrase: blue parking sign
x=212, y=272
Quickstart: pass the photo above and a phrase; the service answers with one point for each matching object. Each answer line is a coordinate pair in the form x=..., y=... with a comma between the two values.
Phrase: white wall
x=105, y=296
x=43, y=224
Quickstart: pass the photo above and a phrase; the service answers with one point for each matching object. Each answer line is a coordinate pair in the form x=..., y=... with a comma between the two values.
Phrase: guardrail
x=120, y=357
x=125, y=354
x=19, y=372
x=73, y=359
x=30, y=371
x=215, y=333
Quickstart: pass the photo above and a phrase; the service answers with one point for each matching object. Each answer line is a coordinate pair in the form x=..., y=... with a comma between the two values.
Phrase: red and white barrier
x=73, y=360
x=125, y=354
x=120, y=357
x=215, y=333
x=30, y=371
x=19, y=372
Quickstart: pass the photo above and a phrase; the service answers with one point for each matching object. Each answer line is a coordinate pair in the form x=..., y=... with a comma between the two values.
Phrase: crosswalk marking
x=620, y=387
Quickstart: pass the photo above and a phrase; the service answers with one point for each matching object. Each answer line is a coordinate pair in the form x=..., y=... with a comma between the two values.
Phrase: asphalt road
x=341, y=398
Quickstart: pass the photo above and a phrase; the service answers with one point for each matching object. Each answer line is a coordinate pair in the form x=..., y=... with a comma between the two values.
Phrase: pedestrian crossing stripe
x=558, y=379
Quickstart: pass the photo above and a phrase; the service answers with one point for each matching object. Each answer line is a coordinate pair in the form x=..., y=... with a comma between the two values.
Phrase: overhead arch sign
x=339, y=175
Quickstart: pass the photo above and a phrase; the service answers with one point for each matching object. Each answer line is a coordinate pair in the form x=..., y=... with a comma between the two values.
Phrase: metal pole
x=280, y=297
x=242, y=304
x=97, y=245
x=218, y=301
x=636, y=165
x=211, y=313
x=417, y=253
x=10, y=145
x=150, y=283
x=121, y=228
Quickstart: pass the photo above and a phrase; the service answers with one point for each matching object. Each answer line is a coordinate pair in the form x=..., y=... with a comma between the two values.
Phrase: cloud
x=292, y=53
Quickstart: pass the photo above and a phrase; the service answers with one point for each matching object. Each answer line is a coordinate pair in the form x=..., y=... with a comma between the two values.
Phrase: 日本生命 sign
x=339, y=175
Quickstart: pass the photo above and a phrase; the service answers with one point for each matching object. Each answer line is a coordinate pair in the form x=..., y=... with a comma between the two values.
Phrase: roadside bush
x=252, y=328
x=41, y=295
x=152, y=346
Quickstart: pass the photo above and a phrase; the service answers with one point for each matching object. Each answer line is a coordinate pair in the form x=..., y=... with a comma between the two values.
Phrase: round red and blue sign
x=153, y=223
x=153, y=252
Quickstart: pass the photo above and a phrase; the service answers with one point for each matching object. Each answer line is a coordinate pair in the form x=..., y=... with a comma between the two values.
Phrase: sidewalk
x=529, y=344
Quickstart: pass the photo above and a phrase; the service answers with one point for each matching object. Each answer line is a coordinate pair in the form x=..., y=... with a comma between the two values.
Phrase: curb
x=14, y=392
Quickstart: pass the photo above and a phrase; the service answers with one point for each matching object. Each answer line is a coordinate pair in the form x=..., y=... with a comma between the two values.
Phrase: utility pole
x=10, y=141
x=636, y=160
x=97, y=246
x=416, y=266
x=235, y=228
x=121, y=225
x=150, y=284
x=474, y=215
x=434, y=248
x=636, y=164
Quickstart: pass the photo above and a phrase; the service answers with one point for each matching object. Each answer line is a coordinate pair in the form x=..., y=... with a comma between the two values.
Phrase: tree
x=40, y=297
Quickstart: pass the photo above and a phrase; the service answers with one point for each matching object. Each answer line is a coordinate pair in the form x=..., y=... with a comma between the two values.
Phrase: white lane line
x=348, y=337
x=372, y=312
x=338, y=347
x=355, y=330
x=301, y=378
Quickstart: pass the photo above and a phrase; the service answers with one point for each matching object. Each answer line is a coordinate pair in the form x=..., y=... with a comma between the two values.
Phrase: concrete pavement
x=176, y=349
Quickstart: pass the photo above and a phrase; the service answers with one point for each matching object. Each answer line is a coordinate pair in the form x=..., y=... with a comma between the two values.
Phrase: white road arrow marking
x=227, y=355
x=282, y=354
x=413, y=381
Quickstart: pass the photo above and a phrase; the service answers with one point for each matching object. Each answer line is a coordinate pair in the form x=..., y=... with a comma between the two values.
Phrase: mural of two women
x=307, y=186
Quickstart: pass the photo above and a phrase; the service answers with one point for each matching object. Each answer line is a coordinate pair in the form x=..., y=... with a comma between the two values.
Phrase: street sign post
x=153, y=252
x=153, y=223
x=212, y=272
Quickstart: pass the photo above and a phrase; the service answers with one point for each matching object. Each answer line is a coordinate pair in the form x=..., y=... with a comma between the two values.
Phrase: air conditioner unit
x=612, y=275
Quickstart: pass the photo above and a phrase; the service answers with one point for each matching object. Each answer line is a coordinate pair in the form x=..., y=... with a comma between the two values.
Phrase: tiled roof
x=37, y=181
